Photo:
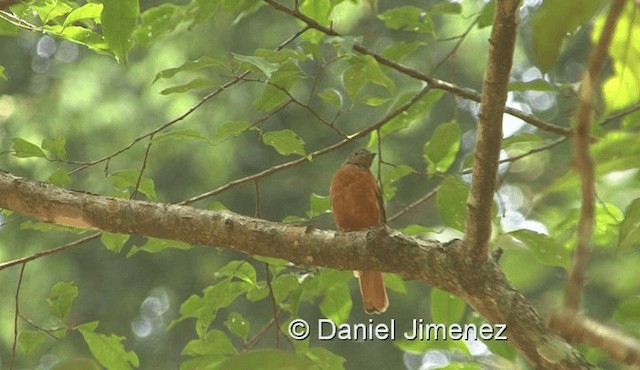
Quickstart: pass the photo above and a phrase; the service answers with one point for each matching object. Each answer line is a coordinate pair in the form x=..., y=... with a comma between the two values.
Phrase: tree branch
x=489, y=134
x=380, y=249
x=433, y=82
x=578, y=328
x=584, y=162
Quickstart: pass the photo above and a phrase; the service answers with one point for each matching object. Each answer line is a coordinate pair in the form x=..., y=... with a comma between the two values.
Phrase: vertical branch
x=494, y=97
x=582, y=158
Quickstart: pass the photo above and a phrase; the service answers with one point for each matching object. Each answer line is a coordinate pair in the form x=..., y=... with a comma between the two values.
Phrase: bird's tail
x=374, y=294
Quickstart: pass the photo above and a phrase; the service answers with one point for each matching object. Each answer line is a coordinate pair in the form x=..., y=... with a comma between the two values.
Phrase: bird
x=357, y=205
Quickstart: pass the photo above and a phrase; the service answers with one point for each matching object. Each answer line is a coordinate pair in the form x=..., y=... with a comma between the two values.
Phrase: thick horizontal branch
x=484, y=286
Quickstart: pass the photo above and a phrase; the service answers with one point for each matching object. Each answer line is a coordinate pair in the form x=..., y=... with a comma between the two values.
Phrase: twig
x=584, y=162
x=186, y=114
x=433, y=82
x=489, y=133
x=256, y=186
x=144, y=165
x=15, y=316
x=413, y=205
x=61, y=248
x=271, y=170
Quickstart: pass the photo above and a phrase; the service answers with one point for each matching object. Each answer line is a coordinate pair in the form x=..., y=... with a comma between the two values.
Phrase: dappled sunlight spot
x=511, y=124
x=46, y=47
x=510, y=198
x=40, y=64
x=7, y=106
x=67, y=52
x=142, y=327
x=513, y=220
x=540, y=100
x=152, y=313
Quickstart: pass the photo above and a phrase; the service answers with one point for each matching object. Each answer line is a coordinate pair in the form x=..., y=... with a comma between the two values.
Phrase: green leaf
x=446, y=308
x=204, y=309
x=59, y=178
x=408, y=18
x=285, y=142
x=553, y=21
x=628, y=312
x=400, y=50
x=154, y=245
x=29, y=340
x=119, y=19
x=55, y=146
x=326, y=359
x=158, y=21
x=486, y=15
x=270, y=98
x=318, y=205
x=261, y=64
x=266, y=359
x=114, y=242
x=242, y=270
x=393, y=175
x=629, y=235
x=25, y=149
x=48, y=10
x=108, y=350
x=451, y=201
x=126, y=180
x=332, y=96
x=545, y=249
x=238, y=325
x=283, y=285
x=534, y=85
x=621, y=89
x=87, y=11
x=440, y=152
x=319, y=10
x=215, y=343
x=395, y=283
x=184, y=134
x=195, y=84
x=231, y=129
x=79, y=35
x=446, y=7
x=200, y=63
x=333, y=286
x=364, y=70
x=418, y=111
x=61, y=298
x=2, y=75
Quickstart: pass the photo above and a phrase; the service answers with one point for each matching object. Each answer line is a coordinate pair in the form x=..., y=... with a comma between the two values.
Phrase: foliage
x=192, y=95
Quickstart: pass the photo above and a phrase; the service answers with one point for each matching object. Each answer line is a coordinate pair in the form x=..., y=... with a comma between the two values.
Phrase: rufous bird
x=357, y=205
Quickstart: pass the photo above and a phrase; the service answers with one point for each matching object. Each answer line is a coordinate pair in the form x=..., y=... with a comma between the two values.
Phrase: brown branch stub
x=380, y=249
x=489, y=133
x=583, y=161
